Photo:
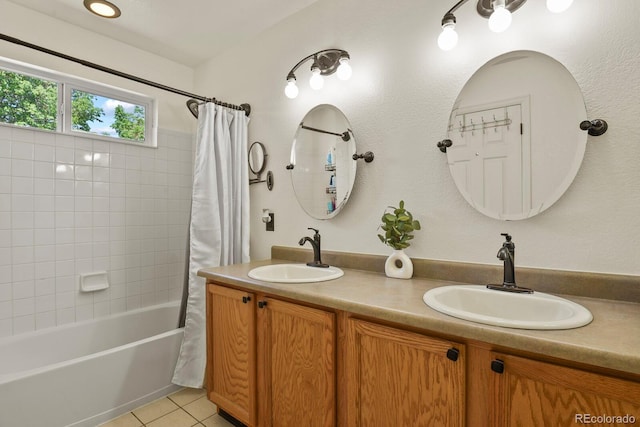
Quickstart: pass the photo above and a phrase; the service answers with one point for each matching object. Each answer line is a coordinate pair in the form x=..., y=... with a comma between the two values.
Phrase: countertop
x=611, y=340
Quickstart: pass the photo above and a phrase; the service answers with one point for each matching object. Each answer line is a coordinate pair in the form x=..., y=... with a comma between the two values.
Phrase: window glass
x=107, y=116
x=43, y=99
x=28, y=101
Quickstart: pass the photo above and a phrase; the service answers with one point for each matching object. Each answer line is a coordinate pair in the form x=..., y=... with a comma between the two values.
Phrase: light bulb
x=557, y=6
x=344, y=69
x=291, y=90
x=316, y=81
x=448, y=38
x=500, y=19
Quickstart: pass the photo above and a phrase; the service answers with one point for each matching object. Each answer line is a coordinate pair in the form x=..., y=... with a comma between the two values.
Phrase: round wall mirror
x=322, y=167
x=516, y=140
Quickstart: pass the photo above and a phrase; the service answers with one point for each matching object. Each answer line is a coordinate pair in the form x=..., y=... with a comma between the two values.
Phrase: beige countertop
x=611, y=340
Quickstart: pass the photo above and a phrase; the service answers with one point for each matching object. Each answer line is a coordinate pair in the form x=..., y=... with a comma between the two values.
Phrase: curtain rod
x=245, y=107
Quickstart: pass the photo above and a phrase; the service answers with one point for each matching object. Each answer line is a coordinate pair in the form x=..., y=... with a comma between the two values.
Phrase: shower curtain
x=219, y=229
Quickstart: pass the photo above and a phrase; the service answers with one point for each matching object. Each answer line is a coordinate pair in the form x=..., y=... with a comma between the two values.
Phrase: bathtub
x=85, y=373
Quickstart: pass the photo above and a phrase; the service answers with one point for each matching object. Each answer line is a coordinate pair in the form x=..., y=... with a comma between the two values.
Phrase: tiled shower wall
x=74, y=205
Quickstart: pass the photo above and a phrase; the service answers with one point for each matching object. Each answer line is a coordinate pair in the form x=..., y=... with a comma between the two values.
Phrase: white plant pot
x=398, y=265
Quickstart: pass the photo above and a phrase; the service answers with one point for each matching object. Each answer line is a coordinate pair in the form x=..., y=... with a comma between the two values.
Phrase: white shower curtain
x=219, y=230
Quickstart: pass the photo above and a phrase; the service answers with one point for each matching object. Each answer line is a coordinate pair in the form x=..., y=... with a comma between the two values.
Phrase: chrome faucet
x=315, y=244
x=507, y=254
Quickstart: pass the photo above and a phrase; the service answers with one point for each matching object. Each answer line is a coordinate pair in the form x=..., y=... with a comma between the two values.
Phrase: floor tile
x=177, y=418
x=187, y=395
x=155, y=410
x=201, y=408
x=126, y=420
x=216, y=421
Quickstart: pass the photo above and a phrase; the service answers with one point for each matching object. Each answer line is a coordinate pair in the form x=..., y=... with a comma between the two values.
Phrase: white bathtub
x=85, y=373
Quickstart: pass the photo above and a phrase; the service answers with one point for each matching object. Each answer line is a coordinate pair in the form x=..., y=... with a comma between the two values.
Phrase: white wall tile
x=6, y=327
x=23, y=168
x=64, y=187
x=5, y=167
x=5, y=144
x=44, y=153
x=43, y=170
x=24, y=324
x=6, y=309
x=45, y=286
x=70, y=205
x=45, y=320
x=22, y=220
x=21, y=185
x=64, y=171
x=22, y=150
x=5, y=184
x=65, y=155
x=42, y=186
x=45, y=253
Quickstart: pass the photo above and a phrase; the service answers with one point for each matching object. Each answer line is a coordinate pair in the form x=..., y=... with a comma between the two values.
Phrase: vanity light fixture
x=498, y=12
x=325, y=63
x=102, y=8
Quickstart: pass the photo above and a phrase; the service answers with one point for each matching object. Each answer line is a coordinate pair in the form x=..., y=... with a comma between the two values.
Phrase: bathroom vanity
x=365, y=350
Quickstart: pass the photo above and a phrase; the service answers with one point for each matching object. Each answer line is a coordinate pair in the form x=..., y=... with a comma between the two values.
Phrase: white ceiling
x=186, y=31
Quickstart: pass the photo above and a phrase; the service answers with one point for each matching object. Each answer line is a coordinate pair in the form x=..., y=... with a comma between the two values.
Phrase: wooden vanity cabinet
x=271, y=362
x=231, y=351
x=401, y=378
x=533, y=393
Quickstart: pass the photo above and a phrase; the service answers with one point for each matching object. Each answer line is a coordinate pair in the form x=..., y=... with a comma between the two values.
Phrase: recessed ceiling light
x=102, y=8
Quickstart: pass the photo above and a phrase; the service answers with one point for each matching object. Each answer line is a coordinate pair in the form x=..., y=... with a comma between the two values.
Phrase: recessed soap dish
x=91, y=282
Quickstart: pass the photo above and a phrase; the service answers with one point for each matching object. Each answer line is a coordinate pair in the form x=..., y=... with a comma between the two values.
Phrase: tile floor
x=185, y=408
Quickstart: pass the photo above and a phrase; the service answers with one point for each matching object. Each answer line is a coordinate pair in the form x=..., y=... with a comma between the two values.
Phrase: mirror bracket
x=594, y=127
x=444, y=144
x=368, y=156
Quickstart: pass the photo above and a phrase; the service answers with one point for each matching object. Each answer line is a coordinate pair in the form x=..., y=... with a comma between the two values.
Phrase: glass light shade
x=291, y=90
x=557, y=6
x=500, y=19
x=344, y=69
x=102, y=8
x=316, y=81
x=448, y=38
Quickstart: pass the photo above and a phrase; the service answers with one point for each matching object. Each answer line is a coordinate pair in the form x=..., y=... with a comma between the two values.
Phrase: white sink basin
x=294, y=273
x=524, y=311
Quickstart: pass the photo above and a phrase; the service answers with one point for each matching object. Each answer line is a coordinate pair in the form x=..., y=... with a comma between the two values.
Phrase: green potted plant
x=398, y=226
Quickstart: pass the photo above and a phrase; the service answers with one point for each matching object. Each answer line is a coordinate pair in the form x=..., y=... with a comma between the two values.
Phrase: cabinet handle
x=246, y=299
x=497, y=366
x=453, y=354
x=262, y=304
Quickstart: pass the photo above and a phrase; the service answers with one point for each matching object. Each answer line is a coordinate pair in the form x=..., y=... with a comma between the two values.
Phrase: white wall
x=62, y=215
x=398, y=102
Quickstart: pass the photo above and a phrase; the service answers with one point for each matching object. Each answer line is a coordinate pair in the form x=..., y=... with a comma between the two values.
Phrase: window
x=41, y=99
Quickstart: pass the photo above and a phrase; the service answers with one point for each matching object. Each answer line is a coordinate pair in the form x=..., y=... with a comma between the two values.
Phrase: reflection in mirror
x=258, y=163
x=516, y=144
x=257, y=155
x=322, y=168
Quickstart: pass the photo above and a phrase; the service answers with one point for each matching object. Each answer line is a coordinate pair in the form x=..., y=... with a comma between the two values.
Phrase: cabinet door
x=533, y=393
x=400, y=378
x=299, y=365
x=231, y=342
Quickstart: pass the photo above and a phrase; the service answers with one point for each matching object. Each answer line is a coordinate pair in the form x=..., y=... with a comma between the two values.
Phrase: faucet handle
x=314, y=229
x=506, y=236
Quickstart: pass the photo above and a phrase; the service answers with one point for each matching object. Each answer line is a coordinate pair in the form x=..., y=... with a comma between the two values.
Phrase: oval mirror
x=322, y=168
x=257, y=156
x=516, y=141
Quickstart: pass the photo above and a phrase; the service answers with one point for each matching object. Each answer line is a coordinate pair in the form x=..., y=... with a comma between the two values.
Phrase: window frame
x=67, y=83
